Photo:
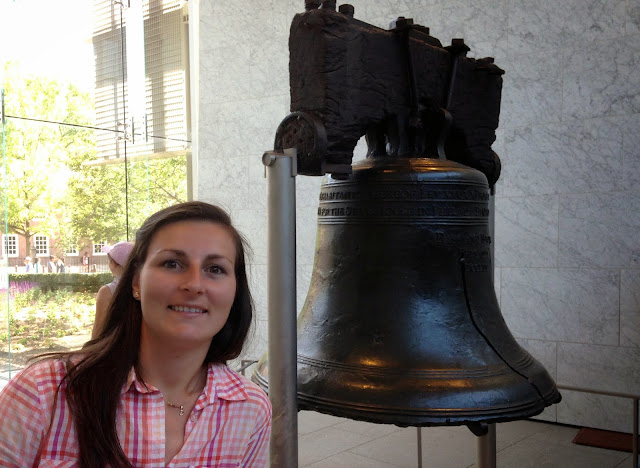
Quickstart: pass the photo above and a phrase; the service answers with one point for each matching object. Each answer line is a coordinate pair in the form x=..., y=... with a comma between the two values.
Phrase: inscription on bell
x=462, y=194
x=477, y=261
x=431, y=210
x=477, y=241
x=406, y=193
x=339, y=195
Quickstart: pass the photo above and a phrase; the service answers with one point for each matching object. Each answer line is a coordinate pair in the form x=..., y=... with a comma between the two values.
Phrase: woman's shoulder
x=46, y=367
x=39, y=377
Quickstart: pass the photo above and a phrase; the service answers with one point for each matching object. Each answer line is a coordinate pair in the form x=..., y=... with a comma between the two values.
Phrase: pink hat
x=119, y=252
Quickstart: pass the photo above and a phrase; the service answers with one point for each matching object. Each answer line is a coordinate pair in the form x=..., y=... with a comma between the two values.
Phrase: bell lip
x=447, y=417
x=508, y=403
x=422, y=417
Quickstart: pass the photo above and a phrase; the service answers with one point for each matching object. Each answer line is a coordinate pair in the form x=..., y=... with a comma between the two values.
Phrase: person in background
x=28, y=265
x=60, y=267
x=37, y=267
x=85, y=262
x=51, y=266
x=117, y=255
x=153, y=389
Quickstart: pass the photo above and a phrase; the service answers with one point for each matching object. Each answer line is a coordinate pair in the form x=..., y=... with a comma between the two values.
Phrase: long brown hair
x=95, y=380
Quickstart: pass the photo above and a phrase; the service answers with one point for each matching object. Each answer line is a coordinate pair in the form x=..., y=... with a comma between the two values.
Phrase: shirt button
x=193, y=418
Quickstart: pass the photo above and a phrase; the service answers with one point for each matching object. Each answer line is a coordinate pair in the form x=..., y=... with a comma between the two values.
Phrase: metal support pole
x=486, y=448
x=419, y=447
x=280, y=169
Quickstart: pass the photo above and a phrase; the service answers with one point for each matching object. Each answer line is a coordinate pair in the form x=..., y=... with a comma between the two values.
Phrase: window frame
x=5, y=245
x=37, y=245
x=99, y=245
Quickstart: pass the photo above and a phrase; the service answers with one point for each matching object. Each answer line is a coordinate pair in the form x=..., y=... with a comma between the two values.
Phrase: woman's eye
x=170, y=264
x=215, y=269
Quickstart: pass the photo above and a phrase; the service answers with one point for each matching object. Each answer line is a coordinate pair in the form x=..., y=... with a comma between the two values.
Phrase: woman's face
x=187, y=283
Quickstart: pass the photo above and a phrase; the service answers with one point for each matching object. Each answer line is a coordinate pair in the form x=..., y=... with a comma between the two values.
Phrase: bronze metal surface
x=401, y=324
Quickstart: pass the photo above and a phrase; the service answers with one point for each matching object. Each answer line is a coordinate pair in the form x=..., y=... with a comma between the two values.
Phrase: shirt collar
x=224, y=383
x=132, y=381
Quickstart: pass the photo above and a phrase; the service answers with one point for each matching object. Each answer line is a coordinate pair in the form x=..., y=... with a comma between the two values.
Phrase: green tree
x=37, y=151
x=102, y=206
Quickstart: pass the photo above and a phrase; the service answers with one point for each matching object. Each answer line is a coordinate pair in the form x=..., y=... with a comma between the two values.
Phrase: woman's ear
x=135, y=285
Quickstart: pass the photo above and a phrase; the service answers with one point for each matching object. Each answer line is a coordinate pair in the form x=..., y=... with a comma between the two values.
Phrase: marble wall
x=567, y=248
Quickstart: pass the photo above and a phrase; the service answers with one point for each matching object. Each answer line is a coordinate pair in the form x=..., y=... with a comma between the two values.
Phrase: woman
x=60, y=267
x=152, y=389
x=117, y=255
x=27, y=265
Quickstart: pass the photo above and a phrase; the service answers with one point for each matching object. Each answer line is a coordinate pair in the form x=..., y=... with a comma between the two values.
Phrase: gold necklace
x=189, y=395
x=180, y=407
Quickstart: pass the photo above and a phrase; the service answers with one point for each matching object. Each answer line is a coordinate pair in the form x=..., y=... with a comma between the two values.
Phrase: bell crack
x=463, y=272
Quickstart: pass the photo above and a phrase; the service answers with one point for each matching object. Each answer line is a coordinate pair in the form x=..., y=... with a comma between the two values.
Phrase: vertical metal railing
x=634, y=398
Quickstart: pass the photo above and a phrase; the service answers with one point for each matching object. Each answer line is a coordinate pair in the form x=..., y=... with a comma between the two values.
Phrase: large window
x=41, y=244
x=10, y=245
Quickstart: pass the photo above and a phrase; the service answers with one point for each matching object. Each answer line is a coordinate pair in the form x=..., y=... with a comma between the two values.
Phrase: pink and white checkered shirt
x=229, y=427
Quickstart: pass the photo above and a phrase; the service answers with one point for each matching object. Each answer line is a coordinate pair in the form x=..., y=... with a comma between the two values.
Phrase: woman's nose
x=192, y=280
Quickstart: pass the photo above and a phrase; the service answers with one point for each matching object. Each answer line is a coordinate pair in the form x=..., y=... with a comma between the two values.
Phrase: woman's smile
x=189, y=310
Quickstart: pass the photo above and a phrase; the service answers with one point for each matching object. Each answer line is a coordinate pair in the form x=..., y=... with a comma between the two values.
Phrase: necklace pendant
x=181, y=410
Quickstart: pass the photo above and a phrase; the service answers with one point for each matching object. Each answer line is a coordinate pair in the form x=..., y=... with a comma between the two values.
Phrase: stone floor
x=330, y=442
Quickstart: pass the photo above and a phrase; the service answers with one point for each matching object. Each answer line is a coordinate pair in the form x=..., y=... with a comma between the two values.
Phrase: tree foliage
x=37, y=151
x=146, y=187
x=50, y=188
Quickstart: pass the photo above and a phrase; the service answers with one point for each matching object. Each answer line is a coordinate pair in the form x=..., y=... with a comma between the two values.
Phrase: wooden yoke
x=400, y=88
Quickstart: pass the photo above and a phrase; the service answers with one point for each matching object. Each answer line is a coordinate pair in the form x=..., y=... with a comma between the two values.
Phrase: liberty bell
x=401, y=324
